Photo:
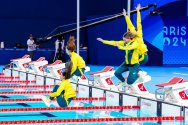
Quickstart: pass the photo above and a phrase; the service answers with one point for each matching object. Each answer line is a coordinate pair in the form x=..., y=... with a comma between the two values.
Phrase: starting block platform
x=139, y=88
x=83, y=79
x=55, y=69
x=37, y=66
x=20, y=63
x=173, y=91
x=103, y=78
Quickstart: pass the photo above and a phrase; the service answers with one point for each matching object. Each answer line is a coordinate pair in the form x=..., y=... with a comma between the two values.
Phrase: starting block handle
x=157, y=94
x=11, y=65
x=90, y=80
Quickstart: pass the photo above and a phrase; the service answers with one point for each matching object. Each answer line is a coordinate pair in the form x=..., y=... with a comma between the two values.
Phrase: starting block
x=138, y=87
x=82, y=79
x=20, y=63
x=55, y=69
x=173, y=91
x=37, y=66
x=103, y=77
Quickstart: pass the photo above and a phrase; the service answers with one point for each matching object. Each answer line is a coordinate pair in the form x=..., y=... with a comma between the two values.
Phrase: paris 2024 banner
x=168, y=30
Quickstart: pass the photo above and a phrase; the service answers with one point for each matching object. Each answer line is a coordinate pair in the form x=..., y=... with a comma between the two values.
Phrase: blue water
x=158, y=74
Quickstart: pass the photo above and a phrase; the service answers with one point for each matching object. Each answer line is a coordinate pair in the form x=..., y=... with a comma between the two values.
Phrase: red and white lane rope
x=9, y=77
x=95, y=120
x=68, y=108
x=17, y=81
x=39, y=100
x=26, y=87
x=26, y=93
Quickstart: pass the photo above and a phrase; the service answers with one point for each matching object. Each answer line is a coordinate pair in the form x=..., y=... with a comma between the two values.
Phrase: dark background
x=19, y=18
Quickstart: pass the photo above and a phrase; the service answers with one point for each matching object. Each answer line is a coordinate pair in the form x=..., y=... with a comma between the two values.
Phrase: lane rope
x=89, y=120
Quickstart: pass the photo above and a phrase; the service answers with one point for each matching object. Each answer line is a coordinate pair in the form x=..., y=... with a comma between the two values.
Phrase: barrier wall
x=17, y=53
